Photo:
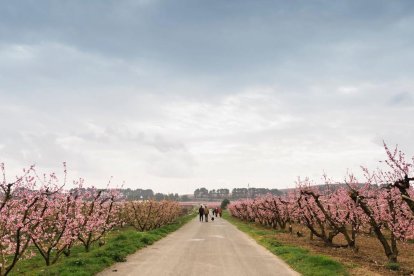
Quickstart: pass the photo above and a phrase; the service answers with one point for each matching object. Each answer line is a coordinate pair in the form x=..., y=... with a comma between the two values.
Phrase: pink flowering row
x=149, y=215
x=381, y=204
x=36, y=213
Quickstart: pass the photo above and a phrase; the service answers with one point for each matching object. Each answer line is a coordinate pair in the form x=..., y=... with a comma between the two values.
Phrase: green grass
x=393, y=266
x=119, y=244
x=300, y=259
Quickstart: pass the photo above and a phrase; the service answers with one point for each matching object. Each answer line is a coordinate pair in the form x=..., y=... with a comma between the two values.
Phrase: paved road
x=213, y=248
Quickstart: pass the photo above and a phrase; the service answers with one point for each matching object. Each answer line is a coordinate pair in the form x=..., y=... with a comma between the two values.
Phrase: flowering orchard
x=382, y=204
x=37, y=216
x=149, y=215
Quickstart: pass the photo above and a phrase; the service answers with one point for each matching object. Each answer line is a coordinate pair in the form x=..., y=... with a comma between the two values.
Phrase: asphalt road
x=212, y=248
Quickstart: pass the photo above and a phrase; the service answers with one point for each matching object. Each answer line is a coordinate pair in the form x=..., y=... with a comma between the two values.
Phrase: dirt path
x=213, y=248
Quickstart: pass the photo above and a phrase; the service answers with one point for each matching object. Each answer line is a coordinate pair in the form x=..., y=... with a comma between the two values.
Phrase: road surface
x=200, y=248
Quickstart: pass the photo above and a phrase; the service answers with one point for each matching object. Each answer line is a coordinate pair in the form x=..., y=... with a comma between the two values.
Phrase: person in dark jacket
x=201, y=213
x=206, y=211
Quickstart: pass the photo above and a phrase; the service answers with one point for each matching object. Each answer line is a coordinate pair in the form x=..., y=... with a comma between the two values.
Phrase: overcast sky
x=176, y=95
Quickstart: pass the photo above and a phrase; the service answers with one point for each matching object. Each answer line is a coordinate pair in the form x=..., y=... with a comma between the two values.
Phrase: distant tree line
x=200, y=193
x=205, y=194
x=236, y=193
x=147, y=194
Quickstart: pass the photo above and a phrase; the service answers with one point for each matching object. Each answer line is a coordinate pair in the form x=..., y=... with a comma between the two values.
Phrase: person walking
x=219, y=211
x=201, y=213
x=206, y=211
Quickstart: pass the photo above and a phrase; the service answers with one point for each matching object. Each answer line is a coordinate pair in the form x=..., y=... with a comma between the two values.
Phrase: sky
x=178, y=95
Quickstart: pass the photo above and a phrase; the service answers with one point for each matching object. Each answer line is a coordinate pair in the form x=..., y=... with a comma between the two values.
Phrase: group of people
x=204, y=211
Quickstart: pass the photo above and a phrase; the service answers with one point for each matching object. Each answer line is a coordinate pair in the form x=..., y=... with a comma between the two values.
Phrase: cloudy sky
x=175, y=95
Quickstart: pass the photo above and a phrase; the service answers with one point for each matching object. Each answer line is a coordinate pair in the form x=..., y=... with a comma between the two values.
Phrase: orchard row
x=37, y=216
x=381, y=204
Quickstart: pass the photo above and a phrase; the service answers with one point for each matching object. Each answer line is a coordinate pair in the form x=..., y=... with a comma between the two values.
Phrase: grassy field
x=119, y=244
x=300, y=259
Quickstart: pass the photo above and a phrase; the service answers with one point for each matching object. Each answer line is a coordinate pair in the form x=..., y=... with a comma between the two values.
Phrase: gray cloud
x=403, y=98
x=172, y=96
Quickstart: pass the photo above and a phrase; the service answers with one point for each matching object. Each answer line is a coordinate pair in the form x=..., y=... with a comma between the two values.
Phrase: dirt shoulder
x=368, y=260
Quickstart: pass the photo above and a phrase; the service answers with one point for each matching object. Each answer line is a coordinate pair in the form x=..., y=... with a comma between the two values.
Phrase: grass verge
x=119, y=244
x=300, y=259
